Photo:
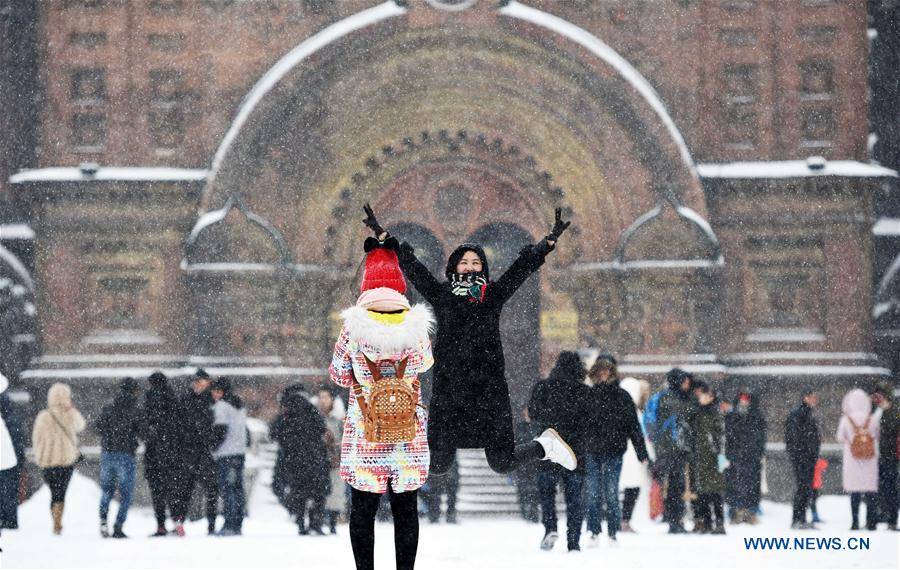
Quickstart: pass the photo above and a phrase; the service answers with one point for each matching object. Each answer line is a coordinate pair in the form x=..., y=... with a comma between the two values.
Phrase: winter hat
x=201, y=374
x=568, y=368
x=128, y=385
x=157, y=379
x=675, y=377
x=458, y=254
x=382, y=268
x=744, y=398
x=222, y=384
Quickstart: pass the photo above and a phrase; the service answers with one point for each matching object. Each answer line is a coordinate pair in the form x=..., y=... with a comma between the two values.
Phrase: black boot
x=117, y=532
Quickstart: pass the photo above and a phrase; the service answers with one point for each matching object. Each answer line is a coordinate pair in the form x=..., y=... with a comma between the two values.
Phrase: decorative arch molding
x=504, y=159
x=217, y=217
x=632, y=92
x=705, y=237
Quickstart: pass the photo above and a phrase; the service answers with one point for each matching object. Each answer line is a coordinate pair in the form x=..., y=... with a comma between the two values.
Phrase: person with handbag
x=119, y=425
x=382, y=349
x=54, y=438
x=858, y=431
x=470, y=406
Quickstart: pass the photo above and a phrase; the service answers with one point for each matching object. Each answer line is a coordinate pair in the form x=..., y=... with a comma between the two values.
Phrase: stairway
x=481, y=491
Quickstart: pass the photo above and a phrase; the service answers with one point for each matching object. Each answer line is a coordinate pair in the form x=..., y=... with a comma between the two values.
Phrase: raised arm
x=530, y=259
x=413, y=269
x=425, y=283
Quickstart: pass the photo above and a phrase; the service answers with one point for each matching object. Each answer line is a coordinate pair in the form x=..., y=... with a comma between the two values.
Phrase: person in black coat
x=802, y=442
x=470, y=405
x=302, y=459
x=162, y=437
x=9, y=478
x=196, y=460
x=612, y=421
x=745, y=445
x=119, y=425
x=561, y=402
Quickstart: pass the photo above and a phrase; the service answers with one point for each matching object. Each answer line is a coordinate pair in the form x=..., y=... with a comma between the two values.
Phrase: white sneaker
x=593, y=540
x=556, y=449
x=549, y=540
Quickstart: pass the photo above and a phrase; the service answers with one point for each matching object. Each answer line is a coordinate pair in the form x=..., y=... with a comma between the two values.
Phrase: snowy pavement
x=270, y=541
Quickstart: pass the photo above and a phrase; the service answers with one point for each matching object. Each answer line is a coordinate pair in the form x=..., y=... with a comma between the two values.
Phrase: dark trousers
x=887, y=489
x=435, y=488
x=602, y=489
x=629, y=500
x=9, y=497
x=57, y=478
x=162, y=491
x=527, y=491
x=502, y=458
x=230, y=471
x=298, y=500
x=871, y=508
x=708, y=508
x=202, y=473
x=404, y=507
x=803, y=480
x=573, y=484
x=673, y=507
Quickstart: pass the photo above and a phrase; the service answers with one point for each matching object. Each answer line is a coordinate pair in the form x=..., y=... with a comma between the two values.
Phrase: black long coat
x=801, y=436
x=197, y=422
x=470, y=406
x=302, y=461
x=745, y=445
x=163, y=432
x=562, y=402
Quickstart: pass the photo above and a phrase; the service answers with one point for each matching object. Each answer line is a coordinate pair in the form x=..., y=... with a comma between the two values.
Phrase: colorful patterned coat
x=369, y=466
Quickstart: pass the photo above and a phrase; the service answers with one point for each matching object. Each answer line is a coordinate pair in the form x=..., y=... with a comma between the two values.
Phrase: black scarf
x=469, y=285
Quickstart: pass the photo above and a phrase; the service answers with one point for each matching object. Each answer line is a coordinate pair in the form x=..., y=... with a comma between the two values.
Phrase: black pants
x=803, y=480
x=887, y=489
x=435, y=488
x=708, y=508
x=673, y=509
x=203, y=474
x=298, y=499
x=871, y=508
x=363, y=507
x=573, y=484
x=57, y=478
x=628, y=502
x=161, y=480
x=502, y=458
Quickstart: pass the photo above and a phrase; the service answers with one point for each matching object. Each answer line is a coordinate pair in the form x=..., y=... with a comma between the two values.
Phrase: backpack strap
x=358, y=392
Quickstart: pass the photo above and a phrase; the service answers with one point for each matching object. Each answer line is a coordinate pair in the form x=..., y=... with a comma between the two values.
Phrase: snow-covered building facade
x=197, y=195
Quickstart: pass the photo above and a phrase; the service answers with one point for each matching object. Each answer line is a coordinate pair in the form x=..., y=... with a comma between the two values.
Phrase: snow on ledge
x=811, y=167
x=883, y=227
x=16, y=231
x=110, y=173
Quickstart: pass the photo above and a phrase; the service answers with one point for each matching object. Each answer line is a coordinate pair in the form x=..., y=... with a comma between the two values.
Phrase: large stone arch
x=330, y=107
x=539, y=111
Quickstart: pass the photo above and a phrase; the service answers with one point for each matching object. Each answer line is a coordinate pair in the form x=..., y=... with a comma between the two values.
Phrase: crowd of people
x=689, y=447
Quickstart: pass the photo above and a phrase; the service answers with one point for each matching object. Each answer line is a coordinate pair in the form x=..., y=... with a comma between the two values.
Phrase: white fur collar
x=388, y=338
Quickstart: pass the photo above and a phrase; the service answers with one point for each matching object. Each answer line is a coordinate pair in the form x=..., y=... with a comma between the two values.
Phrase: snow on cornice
x=795, y=169
x=110, y=174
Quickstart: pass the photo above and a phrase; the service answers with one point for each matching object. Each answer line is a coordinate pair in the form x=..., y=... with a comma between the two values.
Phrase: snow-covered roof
x=110, y=173
x=16, y=231
x=813, y=166
x=600, y=49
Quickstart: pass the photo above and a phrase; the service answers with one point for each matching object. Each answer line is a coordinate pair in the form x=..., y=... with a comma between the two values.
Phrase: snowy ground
x=270, y=540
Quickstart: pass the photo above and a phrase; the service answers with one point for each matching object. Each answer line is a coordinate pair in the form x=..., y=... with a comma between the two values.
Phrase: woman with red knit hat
x=383, y=348
x=470, y=405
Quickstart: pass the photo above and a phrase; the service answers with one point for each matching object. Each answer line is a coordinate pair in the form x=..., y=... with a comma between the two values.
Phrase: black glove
x=559, y=226
x=371, y=222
